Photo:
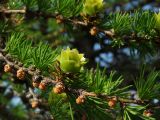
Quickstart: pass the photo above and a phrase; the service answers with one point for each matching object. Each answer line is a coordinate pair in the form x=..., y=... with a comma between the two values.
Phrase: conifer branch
x=56, y=81
x=108, y=33
x=106, y=97
x=49, y=80
x=15, y=64
x=41, y=14
x=68, y=90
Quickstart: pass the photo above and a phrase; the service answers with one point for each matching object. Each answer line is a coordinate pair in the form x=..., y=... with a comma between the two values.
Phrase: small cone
x=20, y=74
x=7, y=68
x=80, y=100
x=34, y=104
x=59, y=88
x=42, y=86
x=147, y=113
x=35, y=84
x=111, y=103
x=93, y=31
x=59, y=19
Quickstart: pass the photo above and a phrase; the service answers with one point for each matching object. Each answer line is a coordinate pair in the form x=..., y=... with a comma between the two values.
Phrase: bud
x=59, y=19
x=42, y=86
x=59, y=88
x=35, y=84
x=80, y=99
x=7, y=68
x=148, y=113
x=93, y=31
x=34, y=103
x=111, y=103
x=20, y=74
x=91, y=7
x=71, y=60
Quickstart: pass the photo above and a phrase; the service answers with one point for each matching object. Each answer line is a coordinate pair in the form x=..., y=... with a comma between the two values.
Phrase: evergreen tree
x=79, y=60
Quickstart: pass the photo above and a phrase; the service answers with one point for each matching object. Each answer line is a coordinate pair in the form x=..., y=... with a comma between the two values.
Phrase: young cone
x=93, y=31
x=80, y=99
x=42, y=86
x=20, y=74
x=35, y=84
x=148, y=113
x=59, y=88
x=7, y=68
x=112, y=103
x=34, y=103
x=59, y=19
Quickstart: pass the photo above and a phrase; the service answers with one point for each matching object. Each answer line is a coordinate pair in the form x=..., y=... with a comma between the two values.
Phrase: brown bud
x=148, y=113
x=35, y=84
x=20, y=74
x=59, y=88
x=80, y=99
x=112, y=103
x=42, y=86
x=59, y=19
x=7, y=68
x=93, y=31
x=34, y=103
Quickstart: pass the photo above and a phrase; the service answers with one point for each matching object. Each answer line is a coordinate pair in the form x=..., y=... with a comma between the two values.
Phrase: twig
x=22, y=11
x=32, y=93
x=104, y=96
x=76, y=22
x=46, y=15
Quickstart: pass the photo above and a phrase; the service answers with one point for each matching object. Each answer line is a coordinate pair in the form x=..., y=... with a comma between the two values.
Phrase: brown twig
x=106, y=97
x=22, y=11
x=45, y=15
